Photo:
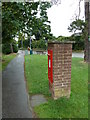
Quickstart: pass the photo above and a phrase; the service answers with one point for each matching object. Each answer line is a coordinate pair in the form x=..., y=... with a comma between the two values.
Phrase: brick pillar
x=62, y=56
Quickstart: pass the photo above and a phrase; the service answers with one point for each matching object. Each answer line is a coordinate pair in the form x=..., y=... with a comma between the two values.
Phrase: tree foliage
x=62, y=38
x=10, y=21
x=23, y=18
x=77, y=25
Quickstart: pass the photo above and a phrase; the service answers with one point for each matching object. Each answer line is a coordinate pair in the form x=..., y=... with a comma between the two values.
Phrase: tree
x=77, y=26
x=22, y=17
x=41, y=27
x=11, y=20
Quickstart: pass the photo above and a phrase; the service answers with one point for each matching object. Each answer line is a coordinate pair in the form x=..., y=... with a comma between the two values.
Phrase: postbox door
x=50, y=67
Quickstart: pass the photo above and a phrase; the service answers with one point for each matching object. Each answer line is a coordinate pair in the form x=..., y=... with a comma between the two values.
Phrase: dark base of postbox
x=60, y=92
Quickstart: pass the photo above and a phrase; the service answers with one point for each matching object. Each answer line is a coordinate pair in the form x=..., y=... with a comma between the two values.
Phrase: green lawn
x=6, y=59
x=36, y=70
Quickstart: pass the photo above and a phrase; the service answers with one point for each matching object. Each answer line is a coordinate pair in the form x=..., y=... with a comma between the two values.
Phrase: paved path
x=15, y=97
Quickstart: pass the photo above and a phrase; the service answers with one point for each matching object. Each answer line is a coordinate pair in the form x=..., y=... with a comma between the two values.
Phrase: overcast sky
x=62, y=15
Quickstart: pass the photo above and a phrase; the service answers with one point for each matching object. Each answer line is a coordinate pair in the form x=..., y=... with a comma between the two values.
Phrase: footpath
x=15, y=102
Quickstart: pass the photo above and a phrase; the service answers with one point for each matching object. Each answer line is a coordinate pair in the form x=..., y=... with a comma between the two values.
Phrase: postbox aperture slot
x=49, y=63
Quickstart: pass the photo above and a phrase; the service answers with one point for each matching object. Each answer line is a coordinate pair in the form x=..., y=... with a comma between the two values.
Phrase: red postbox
x=50, y=66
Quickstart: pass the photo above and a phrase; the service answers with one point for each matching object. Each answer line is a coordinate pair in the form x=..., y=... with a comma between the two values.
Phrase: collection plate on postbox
x=50, y=66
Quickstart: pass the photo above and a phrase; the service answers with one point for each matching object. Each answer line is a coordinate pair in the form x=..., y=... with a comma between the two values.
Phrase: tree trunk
x=87, y=42
x=11, y=47
x=22, y=44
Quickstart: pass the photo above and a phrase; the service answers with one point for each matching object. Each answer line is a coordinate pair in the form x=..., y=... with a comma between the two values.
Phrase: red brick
x=62, y=57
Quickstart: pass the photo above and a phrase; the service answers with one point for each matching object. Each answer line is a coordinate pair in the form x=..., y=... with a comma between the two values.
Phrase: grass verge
x=36, y=70
x=6, y=59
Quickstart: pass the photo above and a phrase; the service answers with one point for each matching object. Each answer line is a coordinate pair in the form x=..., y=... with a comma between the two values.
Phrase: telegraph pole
x=87, y=40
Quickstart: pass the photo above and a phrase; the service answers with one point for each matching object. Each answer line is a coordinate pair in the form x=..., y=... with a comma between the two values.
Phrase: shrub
x=15, y=48
x=34, y=44
x=39, y=44
x=79, y=42
x=6, y=49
